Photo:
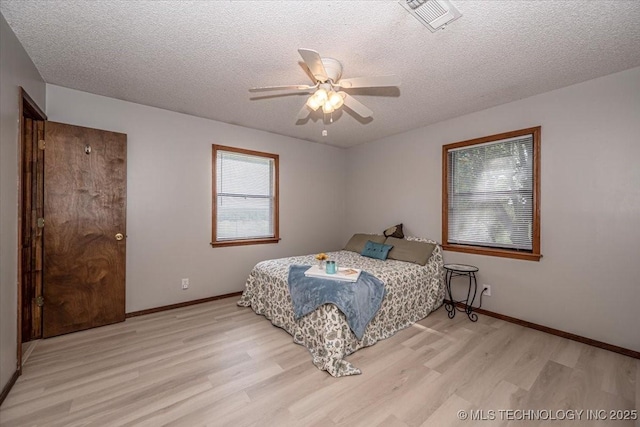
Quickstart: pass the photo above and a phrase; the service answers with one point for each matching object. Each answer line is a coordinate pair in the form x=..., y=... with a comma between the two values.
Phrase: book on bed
x=343, y=274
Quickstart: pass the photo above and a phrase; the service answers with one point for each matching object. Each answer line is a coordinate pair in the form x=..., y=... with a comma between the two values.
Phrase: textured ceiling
x=200, y=57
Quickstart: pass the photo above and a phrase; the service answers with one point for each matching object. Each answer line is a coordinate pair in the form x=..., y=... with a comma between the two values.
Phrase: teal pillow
x=376, y=250
x=357, y=242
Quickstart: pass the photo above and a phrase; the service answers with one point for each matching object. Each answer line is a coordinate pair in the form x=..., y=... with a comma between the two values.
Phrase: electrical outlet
x=486, y=289
x=185, y=284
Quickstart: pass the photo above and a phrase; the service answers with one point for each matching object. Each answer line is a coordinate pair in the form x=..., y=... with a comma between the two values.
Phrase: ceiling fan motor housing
x=333, y=67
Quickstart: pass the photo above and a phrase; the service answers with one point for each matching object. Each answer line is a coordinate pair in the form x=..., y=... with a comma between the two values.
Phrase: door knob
x=119, y=236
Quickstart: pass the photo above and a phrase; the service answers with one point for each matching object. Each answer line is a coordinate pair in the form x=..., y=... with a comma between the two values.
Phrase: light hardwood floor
x=221, y=365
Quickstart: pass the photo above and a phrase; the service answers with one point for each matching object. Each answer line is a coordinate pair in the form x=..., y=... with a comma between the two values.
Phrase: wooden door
x=85, y=230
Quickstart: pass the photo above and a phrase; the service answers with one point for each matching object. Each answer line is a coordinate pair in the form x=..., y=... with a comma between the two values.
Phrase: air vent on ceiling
x=434, y=14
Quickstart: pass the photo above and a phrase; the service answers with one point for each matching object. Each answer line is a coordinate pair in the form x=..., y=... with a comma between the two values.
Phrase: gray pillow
x=410, y=251
x=357, y=241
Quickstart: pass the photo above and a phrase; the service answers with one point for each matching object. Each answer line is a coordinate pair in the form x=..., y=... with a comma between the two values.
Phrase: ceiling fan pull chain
x=324, y=122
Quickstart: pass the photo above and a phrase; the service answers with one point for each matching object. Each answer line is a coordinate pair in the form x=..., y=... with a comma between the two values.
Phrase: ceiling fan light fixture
x=328, y=100
x=335, y=99
x=321, y=95
x=313, y=103
x=327, y=108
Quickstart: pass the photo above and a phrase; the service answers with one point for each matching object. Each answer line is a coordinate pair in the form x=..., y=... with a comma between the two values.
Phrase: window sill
x=505, y=253
x=244, y=242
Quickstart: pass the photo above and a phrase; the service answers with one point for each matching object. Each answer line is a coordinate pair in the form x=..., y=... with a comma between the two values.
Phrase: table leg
x=469, y=310
x=449, y=306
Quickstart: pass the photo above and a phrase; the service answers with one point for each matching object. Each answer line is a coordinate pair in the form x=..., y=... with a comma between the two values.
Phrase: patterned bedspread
x=412, y=292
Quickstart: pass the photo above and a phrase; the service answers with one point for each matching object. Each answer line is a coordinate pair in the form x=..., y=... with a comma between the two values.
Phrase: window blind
x=245, y=196
x=490, y=194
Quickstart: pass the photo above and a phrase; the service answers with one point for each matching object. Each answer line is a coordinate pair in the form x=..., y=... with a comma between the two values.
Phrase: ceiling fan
x=329, y=89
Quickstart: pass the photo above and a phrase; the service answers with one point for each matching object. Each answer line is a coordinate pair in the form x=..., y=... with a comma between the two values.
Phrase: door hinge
x=40, y=222
x=41, y=144
x=40, y=301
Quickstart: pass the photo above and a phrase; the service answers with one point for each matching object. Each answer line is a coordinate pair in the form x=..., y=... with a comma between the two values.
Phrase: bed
x=412, y=292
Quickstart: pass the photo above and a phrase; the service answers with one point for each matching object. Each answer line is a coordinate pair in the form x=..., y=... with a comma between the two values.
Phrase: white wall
x=588, y=282
x=16, y=69
x=169, y=196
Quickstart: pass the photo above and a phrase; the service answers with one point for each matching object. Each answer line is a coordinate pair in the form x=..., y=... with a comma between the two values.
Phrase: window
x=245, y=197
x=491, y=195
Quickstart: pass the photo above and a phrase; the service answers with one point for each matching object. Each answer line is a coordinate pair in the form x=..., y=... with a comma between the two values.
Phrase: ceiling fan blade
x=303, y=113
x=356, y=106
x=314, y=62
x=372, y=81
x=286, y=87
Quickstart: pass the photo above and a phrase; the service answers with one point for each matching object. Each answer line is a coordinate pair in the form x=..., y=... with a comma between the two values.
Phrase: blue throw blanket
x=359, y=301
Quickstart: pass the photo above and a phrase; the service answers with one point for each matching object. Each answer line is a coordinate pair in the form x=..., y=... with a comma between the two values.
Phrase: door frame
x=27, y=108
